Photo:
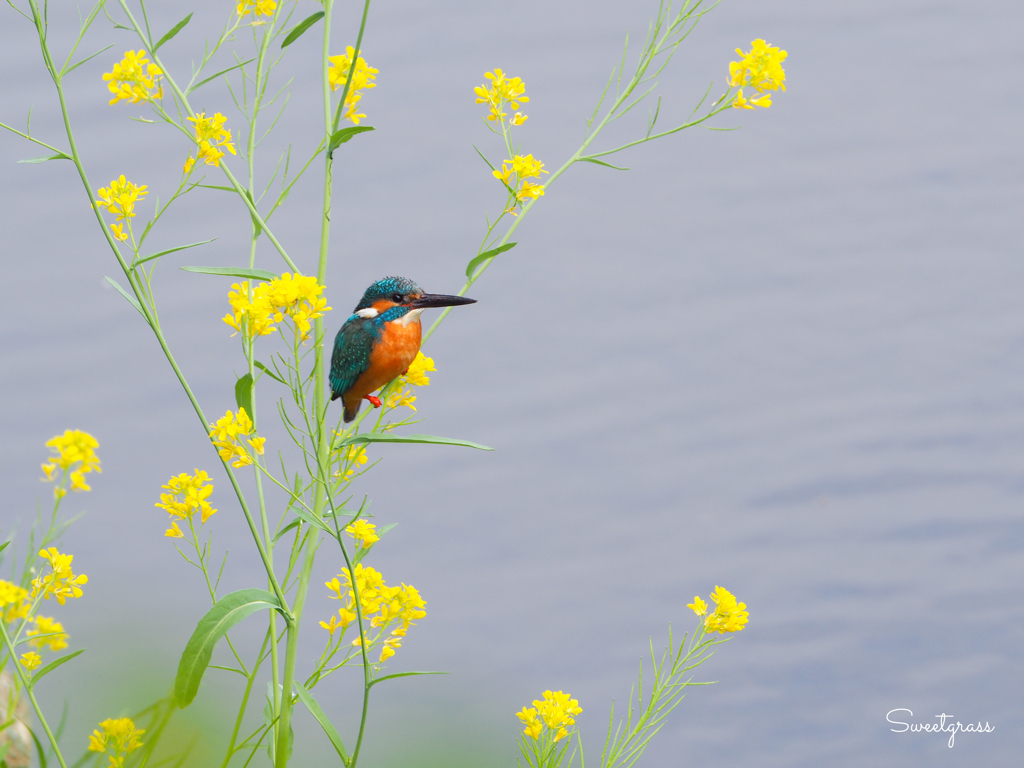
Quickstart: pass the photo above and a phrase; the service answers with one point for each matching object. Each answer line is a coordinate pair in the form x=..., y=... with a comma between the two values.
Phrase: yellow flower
x=362, y=78
x=556, y=711
x=211, y=136
x=31, y=660
x=740, y=102
x=118, y=739
x=530, y=190
x=257, y=7
x=761, y=69
x=381, y=605
x=502, y=90
x=518, y=118
x=363, y=533
x=699, y=606
x=531, y=721
x=522, y=167
x=134, y=79
x=188, y=165
x=188, y=495
x=57, y=638
x=118, y=234
x=332, y=626
x=418, y=370
x=227, y=435
x=14, y=600
x=295, y=296
x=73, y=447
x=120, y=197
x=400, y=398
x=61, y=583
x=729, y=616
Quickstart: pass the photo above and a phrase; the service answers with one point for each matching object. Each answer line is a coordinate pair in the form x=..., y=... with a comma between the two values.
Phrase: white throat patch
x=408, y=317
x=367, y=313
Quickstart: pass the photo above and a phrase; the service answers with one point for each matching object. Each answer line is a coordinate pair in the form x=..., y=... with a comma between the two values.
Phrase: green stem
x=245, y=700
x=223, y=165
x=147, y=312
x=27, y=683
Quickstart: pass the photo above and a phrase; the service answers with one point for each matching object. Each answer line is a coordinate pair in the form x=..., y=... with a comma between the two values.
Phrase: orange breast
x=390, y=358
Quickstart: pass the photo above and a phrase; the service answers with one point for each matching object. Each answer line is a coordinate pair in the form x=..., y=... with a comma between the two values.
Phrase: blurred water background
x=785, y=359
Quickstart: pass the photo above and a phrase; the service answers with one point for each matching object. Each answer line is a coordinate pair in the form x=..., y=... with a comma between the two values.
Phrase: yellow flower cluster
x=761, y=69
x=729, y=615
x=362, y=78
x=502, y=90
x=364, y=533
x=227, y=435
x=118, y=739
x=211, y=136
x=353, y=456
x=120, y=198
x=415, y=376
x=31, y=660
x=256, y=7
x=73, y=448
x=14, y=600
x=61, y=583
x=134, y=79
x=522, y=168
x=380, y=604
x=556, y=711
x=188, y=495
x=52, y=634
x=295, y=296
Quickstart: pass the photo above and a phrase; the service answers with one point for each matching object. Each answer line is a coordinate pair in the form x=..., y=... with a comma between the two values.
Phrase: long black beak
x=439, y=300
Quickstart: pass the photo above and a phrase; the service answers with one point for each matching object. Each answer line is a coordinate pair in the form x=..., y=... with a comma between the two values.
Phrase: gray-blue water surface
x=786, y=360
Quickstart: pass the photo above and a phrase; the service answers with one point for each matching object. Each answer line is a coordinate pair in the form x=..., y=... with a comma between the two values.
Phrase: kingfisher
x=380, y=339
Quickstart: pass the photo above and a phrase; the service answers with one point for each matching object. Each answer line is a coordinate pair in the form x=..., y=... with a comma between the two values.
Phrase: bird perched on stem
x=380, y=339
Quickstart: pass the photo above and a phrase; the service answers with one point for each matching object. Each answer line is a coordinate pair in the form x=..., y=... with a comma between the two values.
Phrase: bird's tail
x=351, y=413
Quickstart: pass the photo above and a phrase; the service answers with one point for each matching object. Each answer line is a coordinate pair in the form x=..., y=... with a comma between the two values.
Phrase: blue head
x=400, y=295
x=395, y=291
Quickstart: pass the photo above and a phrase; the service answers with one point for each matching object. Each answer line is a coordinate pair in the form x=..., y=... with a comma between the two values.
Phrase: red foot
x=405, y=372
x=374, y=401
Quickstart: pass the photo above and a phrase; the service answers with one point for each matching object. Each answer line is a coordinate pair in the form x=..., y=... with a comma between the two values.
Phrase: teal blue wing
x=351, y=356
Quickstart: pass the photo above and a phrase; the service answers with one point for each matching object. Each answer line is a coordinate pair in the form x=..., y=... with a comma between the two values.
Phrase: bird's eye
x=398, y=298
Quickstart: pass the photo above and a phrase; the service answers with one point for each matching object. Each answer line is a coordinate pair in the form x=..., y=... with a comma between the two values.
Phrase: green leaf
x=174, y=30
x=227, y=612
x=301, y=27
x=3, y=749
x=384, y=437
x=600, y=162
x=58, y=156
x=471, y=267
x=87, y=58
x=269, y=372
x=341, y=136
x=4, y=545
x=307, y=516
x=170, y=250
x=257, y=229
x=384, y=529
x=325, y=723
x=53, y=665
x=245, y=274
x=123, y=292
x=403, y=674
x=214, y=77
x=243, y=393
x=283, y=531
